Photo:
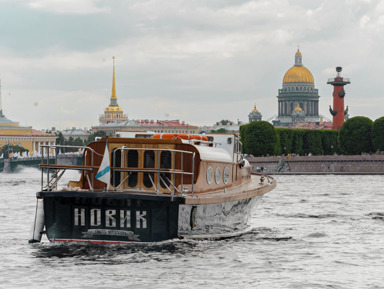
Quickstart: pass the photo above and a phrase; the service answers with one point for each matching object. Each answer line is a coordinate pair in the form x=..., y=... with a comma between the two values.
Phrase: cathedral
x=254, y=115
x=298, y=100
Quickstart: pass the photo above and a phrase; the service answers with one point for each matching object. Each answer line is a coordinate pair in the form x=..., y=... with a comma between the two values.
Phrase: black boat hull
x=129, y=218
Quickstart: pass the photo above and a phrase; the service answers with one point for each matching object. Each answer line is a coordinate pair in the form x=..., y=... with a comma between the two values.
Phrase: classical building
x=75, y=133
x=14, y=134
x=254, y=115
x=223, y=126
x=298, y=91
x=167, y=126
x=298, y=115
x=113, y=119
x=113, y=113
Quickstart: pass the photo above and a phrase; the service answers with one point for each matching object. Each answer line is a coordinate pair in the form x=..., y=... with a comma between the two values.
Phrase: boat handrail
x=158, y=170
x=55, y=171
x=53, y=178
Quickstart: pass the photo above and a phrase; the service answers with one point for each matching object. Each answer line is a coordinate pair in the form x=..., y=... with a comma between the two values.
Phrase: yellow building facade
x=14, y=134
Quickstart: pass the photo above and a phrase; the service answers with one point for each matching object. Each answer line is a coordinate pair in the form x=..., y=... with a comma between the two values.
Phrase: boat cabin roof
x=206, y=151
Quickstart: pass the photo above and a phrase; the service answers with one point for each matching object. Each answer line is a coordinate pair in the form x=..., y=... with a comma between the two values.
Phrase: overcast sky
x=197, y=61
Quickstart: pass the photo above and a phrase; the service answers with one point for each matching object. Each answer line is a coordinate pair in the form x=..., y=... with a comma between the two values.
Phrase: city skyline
x=194, y=61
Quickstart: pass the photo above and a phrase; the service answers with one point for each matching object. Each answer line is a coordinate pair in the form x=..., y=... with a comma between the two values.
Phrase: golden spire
x=113, y=81
x=298, y=50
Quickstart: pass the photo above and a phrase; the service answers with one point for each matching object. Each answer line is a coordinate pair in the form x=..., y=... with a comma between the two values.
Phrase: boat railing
x=55, y=171
x=159, y=174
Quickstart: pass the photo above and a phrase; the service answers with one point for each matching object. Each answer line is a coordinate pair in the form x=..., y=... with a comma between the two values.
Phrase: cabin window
x=149, y=163
x=132, y=162
x=116, y=162
x=165, y=163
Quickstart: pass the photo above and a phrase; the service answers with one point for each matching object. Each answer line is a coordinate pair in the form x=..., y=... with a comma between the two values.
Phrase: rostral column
x=338, y=110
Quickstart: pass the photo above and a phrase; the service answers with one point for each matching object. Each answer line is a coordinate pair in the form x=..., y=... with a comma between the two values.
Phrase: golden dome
x=254, y=109
x=298, y=74
x=298, y=108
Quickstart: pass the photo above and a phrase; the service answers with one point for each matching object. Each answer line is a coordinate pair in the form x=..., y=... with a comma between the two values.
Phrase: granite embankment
x=335, y=164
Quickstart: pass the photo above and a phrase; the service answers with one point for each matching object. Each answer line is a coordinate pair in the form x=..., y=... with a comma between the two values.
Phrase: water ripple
x=311, y=232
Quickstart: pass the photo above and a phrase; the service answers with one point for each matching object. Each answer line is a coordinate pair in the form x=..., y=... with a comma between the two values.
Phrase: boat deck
x=248, y=190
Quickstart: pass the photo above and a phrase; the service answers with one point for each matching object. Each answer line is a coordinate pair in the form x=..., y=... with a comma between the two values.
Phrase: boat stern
x=109, y=219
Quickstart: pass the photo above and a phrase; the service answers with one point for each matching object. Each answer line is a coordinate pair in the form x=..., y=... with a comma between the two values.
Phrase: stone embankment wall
x=319, y=164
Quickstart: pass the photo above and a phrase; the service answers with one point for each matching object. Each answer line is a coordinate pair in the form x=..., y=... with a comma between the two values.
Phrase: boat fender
x=38, y=224
x=193, y=217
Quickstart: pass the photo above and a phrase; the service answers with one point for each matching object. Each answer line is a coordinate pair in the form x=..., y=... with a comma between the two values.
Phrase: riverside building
x=27, y=137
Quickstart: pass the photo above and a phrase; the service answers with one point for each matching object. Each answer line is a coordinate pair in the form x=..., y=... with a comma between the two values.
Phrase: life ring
x=180, y=136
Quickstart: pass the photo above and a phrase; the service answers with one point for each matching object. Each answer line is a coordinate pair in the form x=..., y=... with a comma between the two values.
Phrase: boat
x=152, y=188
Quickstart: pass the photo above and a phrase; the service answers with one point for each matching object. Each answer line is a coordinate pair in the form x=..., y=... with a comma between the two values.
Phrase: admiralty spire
x=113, y=113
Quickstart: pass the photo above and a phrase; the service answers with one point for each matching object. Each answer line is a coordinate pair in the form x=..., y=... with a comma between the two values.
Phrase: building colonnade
x=33, y=144
x=310, y=107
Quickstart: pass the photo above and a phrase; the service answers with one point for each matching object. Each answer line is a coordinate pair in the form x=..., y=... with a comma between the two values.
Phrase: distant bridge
x=12, y=165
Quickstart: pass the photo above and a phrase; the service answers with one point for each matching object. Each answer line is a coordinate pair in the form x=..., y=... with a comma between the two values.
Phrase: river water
x=310, y=232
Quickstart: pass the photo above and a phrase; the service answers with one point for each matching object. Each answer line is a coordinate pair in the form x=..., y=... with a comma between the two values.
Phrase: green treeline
x=358, y=135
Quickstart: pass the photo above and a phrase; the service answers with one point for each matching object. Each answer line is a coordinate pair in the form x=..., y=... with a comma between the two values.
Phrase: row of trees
x=360, y=134
x=9, y=148
x=77, y=141
x=357, y=135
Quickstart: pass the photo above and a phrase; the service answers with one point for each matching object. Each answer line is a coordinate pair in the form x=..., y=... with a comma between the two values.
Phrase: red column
x=338, y=110
x=338, y=105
